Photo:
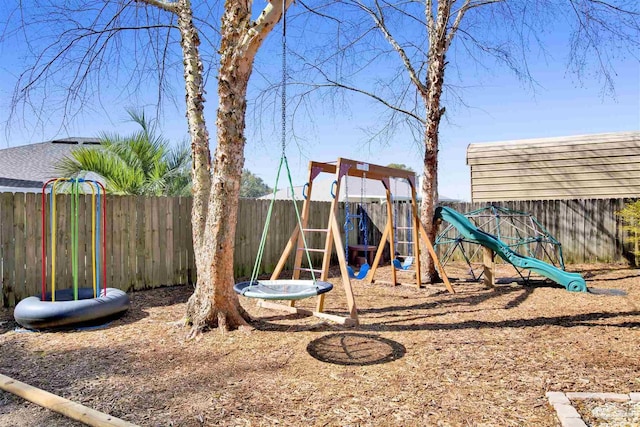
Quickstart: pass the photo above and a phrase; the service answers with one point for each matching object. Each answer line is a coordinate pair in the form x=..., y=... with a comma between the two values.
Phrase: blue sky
x=498, y=107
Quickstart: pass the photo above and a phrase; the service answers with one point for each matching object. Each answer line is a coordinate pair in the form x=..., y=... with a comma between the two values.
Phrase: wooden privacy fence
x=149, y=238
x=148, y=241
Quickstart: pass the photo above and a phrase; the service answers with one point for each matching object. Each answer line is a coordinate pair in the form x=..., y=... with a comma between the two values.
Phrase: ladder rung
x=308, y=269
x=404, y=228
x=312, y=250
x=405, y=241
x=318, y=230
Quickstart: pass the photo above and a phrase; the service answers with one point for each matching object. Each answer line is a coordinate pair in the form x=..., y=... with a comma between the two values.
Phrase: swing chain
x=363, y=219
x=283, y=163
x=284, y=78
x=348, y=225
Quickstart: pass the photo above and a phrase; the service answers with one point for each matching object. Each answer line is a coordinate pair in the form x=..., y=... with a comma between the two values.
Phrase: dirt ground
x=421, y=357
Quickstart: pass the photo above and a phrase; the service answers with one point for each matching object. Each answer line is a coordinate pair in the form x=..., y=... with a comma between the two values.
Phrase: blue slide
x=573, y=282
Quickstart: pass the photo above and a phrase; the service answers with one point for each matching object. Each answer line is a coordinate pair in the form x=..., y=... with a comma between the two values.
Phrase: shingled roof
x=27, y=167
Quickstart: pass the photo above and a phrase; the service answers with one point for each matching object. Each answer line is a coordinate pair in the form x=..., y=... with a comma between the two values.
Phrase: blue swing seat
x=408, y=261
x=364, y=270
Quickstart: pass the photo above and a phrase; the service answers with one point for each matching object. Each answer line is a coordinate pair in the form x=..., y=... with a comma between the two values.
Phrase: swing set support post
x=415, y=221
x=379, y=251
x=332, y=237
x=383, y=174
x=333, y=240
x=436, y=261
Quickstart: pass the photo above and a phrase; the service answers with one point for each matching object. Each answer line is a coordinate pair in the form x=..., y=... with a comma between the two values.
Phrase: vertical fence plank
x=188, y=241
x=19, y=228
x=141, y=252
x=33, y=252
x=124, y=221
x=148, y=242
x=62, y=256
x=570, y=240
x=119, y=242
x=621, y=236
x=83, y=218
x=239, y=253
x=591, y=215
x=155, y=233
x=609, y=230
x=6, y=200
x=2, y=256
x=130, y=242
x=178, y=229
x=163, y=231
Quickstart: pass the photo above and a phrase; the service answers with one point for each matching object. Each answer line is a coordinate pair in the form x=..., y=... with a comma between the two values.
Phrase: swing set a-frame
x=349, y=168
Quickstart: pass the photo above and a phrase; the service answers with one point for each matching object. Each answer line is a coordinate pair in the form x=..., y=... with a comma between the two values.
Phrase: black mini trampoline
x=282, y=289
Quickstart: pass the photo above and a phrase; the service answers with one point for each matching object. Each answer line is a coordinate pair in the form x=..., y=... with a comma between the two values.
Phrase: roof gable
x=35, y=163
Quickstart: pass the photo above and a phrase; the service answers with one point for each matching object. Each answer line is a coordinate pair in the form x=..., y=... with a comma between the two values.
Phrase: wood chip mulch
x=421, y=357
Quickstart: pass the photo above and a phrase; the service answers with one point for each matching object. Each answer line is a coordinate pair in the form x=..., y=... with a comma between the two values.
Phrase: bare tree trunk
x=214, y=303
x=435, y=81
x=216, y=194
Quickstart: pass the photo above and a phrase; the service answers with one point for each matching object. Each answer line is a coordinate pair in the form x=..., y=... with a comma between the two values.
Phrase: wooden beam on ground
x=61, y=405
x=347, y=321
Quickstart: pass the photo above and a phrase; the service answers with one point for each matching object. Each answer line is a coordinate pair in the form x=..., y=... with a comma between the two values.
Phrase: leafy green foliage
x=400, y=166
x=252, y=185
x=142, y=163
x=630, y=216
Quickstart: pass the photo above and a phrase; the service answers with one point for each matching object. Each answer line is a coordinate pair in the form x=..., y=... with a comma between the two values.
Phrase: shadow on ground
x=349, y=348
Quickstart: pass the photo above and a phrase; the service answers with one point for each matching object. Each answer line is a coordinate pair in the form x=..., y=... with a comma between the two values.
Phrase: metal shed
x=594, y=166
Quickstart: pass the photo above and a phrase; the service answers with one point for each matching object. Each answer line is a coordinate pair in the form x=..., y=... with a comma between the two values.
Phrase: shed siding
x=577, y=167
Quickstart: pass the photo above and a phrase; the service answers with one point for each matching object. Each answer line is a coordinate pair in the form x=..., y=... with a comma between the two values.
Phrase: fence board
x=6, y=200
x=140, y=253
x=190, y=265
x=131, y=272
x=118, y=222
x=148, y=242
x=590, y=214
x=163, y=237
x=186, y=234
x=624, y=247
x=241, y=239
x=177, y=238
x=19, y=284
x=62, y=257
x=84, y=241
x=155, y=236
x=33, y=243
x=123, y=219
x=166, y=214
x=2, y=257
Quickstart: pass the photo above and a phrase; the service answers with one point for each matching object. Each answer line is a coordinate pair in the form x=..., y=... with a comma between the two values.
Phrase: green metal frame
x=530, y=238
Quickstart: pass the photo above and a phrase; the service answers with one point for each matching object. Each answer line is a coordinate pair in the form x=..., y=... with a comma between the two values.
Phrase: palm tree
x=139, y=164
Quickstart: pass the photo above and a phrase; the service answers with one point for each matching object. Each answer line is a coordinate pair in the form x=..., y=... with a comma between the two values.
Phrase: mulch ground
x=421, y=357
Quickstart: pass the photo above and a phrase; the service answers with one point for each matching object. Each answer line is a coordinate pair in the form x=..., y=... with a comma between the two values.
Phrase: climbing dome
x=520, y=230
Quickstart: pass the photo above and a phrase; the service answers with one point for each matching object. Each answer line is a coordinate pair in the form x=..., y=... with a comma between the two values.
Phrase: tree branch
x=169, y=6
x=379, y=21
x=270, y=15
x=375, y=97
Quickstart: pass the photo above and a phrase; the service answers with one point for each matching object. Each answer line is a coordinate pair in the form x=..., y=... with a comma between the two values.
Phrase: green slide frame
x=573, y=282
